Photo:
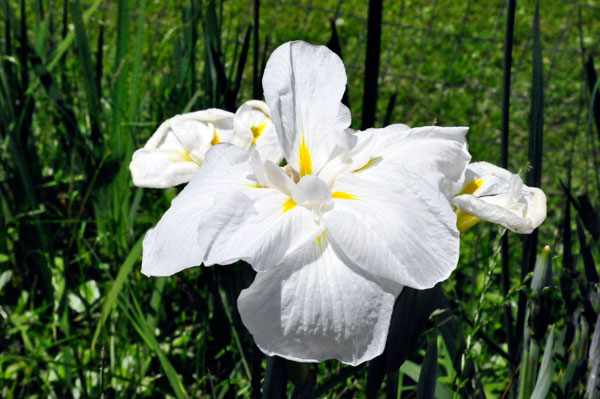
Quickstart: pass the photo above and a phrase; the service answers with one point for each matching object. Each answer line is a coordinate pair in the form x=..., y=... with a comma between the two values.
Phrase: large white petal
x=304, y=85
x=223, y=215
x=399, y=228
x=254, y=128
x=176, y=150
x=201, y=213
x=437, y=154
x=313, y=307
x=273, y=227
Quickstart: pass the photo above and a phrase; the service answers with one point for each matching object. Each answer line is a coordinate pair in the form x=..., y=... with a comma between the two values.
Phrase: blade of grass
x=141, y=325
x=90, y=81
x=544, y=380
x=534, y=176
x=66, y=43
x=428, y=375
x=117, y=287
x=334, y=45
x=504, y=140
x=592, y=79
x=372, y=63
x=274, y=386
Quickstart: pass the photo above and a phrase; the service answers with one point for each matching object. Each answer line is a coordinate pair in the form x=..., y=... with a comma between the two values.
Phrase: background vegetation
x=83, y=83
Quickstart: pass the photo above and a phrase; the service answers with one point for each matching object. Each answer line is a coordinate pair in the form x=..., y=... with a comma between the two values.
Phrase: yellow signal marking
x=471, y=187
x=371, y=162
x=343, y=195
x=321, y=240
x=464, y=221
x=288, y=205
x=258, y=130
x=304, y=159
x=215, y=140
x=186, y=155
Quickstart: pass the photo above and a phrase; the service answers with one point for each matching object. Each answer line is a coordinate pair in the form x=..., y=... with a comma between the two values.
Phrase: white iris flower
x=496, y=195
x=176, y=150
x=333, y=236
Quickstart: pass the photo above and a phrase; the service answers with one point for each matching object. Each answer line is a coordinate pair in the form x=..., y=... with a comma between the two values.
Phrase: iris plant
x=336, y=233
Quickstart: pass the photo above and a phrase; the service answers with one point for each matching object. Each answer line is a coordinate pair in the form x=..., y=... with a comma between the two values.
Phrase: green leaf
x=117, y=286
x=413, y=371
x=428, y=375
x=544, y=379
x=274, y=386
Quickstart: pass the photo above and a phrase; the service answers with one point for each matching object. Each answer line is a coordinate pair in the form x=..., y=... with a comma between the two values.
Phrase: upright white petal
x=176, y=150
x=403, y=230
x=254, y=129
x=496, y=195
x=304, y=85
x=313, y=307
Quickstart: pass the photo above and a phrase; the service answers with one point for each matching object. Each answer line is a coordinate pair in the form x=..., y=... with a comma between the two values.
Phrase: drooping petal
x=213, y=200
x=314, y=307
x=273, y=227
x=522, y=216
x=254, y=128
x=496, y=195
x=304, y=85
x=222, y=216
x=399, y=228
x=437, y=154
x=176, y=150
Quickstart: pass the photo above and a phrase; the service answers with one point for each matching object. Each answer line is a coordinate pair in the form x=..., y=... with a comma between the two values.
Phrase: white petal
x=177, y=148
x=437, y=154
x=201, y=213
x=273, y=227
x=160, y=168
x=522, y=217
x=403, y=230
x=313, y=307
x=496, y=195
x=254, y=128
x=304, y=85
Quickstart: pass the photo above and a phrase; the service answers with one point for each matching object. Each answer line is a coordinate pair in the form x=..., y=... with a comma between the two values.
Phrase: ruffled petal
x=314, y=307
x=496, y=195
x=522, y=216
x=201, y=214
x=177, y=149
x=223, y=215
x=399, y=228
x=272, y=228
x=254, y=128
x=437, y=154
x=304, y=85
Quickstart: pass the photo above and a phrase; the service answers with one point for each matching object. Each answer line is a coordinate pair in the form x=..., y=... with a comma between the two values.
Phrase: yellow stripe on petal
x=215, y=140
x=321, y=240
x=471, y=187
x=464, y=221
x=258, y=130
x=304, y=159
x=371, y=162
x=186, y=155
x=343, y=195
x=288, y=205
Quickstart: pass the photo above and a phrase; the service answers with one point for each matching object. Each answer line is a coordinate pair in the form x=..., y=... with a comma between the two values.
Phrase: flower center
x=313, y=193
